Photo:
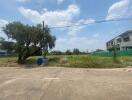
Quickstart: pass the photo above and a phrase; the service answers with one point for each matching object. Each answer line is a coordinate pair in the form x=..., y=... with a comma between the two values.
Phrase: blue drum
x=45, y=61
x=40, y=61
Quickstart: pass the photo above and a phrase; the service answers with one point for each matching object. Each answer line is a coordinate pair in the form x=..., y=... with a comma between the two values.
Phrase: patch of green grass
x=4, y=60
x=92, y=62
x=7, y=61
x=79, y=61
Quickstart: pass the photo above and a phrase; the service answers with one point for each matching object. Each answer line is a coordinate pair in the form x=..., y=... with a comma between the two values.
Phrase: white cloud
x=72, y=31
x=21, y=0
x=120, y=9
x=60, y=1
x=32, y=15
x=2, y=24
x=77, y=27
x=58, y=18
x=96, y=35
x=52, y=18
x=40, y=1
x=83, y=43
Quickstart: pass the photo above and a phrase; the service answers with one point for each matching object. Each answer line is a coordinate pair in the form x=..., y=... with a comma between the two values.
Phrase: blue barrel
x=40, y=61
x=45, y=61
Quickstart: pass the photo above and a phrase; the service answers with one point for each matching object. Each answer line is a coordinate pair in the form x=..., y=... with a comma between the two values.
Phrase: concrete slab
x=58, y=83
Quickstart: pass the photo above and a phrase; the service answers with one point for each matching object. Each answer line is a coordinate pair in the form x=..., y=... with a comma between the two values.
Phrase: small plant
x=114, y=49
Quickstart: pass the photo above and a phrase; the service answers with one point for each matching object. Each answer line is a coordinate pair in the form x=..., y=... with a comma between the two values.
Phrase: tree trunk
x=20, y=60
x=23, y=55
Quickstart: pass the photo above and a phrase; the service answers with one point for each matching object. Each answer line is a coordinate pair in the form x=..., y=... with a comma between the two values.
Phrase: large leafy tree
x=68, y=52
x=76, y=51
x=29, y=39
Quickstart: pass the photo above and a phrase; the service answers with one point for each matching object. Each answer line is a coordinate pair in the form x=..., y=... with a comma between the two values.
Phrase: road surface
x=58, y=83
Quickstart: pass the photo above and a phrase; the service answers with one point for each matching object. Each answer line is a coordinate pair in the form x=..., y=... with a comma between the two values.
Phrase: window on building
x=118, y=45
x=126, y=39
x=111, y=42
x=119, y=40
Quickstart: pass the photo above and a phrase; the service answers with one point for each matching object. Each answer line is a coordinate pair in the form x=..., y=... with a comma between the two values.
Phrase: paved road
x=55, y=83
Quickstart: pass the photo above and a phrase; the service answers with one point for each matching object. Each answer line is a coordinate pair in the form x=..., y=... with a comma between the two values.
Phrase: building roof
x=121, y=35
x=126, y=33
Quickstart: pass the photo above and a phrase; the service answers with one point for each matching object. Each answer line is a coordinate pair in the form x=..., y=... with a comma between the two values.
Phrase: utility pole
x=44, y=49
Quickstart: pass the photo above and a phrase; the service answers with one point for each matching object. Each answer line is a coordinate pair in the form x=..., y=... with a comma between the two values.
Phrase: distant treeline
x=68, y=52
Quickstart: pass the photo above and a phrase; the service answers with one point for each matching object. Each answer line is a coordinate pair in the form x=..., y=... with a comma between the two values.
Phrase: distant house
x=6, y=47
x=99, y=50
x=3, y=52
x=123, y=41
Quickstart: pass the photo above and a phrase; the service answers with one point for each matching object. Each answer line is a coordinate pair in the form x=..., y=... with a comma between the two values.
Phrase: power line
x=95, y=22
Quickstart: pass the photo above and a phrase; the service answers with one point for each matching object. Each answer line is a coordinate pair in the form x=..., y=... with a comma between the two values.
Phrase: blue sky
x=69, y=12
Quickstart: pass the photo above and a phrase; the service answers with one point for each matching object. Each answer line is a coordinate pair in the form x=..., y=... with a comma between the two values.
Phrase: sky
x=56, y=13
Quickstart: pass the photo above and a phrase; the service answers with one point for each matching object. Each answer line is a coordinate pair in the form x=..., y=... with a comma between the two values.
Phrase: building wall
x=3, y=52
x=122, y=45
x=125, y=45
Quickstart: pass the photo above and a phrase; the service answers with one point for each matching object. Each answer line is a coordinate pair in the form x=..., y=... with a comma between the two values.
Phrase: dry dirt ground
x=58, y=83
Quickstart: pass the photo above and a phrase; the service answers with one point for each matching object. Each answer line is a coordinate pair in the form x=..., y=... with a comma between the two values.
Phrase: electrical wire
x=94, y=22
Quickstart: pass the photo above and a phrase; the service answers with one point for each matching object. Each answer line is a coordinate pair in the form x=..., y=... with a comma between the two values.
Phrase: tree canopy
x=76, y=51
x=68, y=52
x=29, y=39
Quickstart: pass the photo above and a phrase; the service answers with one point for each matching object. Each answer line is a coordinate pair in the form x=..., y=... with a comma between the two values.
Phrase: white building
x=3, y=52
x=123, y=41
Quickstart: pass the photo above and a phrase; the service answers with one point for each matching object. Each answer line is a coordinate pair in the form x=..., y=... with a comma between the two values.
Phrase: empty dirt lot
x=56, y=83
